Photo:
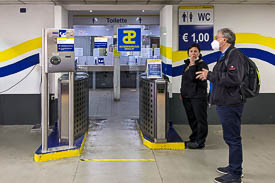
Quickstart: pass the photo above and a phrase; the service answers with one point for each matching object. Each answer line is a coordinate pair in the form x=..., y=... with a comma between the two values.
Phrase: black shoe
x=187, y=142
x=224, y=171
x=228, y=178
x=194, y=145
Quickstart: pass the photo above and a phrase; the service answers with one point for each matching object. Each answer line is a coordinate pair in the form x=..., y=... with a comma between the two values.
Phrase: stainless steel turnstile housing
x=152, y=109
x=81, y=106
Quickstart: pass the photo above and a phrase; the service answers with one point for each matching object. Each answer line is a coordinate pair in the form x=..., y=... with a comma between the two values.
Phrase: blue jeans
x=230, y=118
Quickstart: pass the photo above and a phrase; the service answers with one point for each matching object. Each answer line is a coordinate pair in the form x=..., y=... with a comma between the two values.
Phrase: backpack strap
x=226, y=60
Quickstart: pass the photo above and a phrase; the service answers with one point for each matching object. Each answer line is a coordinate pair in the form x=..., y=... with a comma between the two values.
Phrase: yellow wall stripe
x=250, y=38
x=196, y=7
x=166, y=52
x=118, y=160
x=20, y=49
x=174, y=56
x=255, y=39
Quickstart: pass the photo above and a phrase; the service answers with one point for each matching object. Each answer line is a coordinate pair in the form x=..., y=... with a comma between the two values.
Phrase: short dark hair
x=194, y=45
x=229, y=34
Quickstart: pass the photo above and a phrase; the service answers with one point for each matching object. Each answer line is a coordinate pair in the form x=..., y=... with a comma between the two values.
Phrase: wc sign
x=195, y=15
x=196, y=25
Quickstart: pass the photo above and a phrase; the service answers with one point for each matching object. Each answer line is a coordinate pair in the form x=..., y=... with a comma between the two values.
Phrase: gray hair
x=229, y=34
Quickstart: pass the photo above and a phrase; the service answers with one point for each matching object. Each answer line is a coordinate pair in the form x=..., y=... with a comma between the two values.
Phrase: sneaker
x=194, y=145
x=224, y=171
x=187, y=142
x=228, y=178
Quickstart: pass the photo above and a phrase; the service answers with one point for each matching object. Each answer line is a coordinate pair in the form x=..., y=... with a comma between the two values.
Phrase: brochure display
x=154, y=68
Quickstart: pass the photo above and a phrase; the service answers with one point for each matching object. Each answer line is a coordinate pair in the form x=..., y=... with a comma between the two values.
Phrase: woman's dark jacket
x=227, y=78
x=190, y=86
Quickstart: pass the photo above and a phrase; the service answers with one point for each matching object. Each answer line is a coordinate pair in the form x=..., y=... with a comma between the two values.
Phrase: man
x=226, y=77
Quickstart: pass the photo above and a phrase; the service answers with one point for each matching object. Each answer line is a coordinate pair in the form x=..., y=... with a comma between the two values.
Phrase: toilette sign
x=116, y=20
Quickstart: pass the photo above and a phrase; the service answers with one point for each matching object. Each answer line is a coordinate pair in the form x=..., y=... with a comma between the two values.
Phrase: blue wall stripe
x=212, y=57
x=19, y=66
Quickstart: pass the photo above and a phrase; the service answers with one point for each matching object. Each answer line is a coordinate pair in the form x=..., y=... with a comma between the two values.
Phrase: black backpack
x=250, y=86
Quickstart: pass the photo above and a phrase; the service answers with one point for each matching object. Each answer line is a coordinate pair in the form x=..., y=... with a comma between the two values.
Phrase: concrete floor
x=113, y=135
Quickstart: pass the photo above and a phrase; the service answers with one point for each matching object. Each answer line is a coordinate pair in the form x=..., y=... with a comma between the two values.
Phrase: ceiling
x=139, y=2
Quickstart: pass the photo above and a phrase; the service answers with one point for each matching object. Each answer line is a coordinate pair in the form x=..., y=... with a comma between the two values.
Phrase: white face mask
x=215, y=45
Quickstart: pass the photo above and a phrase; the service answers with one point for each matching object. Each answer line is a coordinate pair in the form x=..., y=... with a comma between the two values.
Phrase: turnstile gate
x=152, y=108
x=81, y=106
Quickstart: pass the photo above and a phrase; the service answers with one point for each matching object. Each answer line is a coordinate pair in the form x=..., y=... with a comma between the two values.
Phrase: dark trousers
x=196, y=111
x=230, y=118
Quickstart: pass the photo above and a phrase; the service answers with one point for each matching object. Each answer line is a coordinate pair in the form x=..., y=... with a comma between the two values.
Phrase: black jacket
x=227, y=78
x=190, y=86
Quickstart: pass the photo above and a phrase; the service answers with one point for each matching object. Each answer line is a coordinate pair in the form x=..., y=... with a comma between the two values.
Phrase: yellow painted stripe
x=179, y=55
x=20, y=49
x=174, y=56
x=56, y=155
x=249, y=38
x=117, y=159
x=61, y=154
x=169, y=145
x=255, y=39
x=196, y=7
x=115, y=15
x=166, y=52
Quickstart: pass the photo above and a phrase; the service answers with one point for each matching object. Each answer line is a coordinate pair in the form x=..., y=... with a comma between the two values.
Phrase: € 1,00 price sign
x=201, y=34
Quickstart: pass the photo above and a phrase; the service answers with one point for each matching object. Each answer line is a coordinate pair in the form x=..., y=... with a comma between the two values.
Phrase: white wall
x=17, y=28
x=257, y=19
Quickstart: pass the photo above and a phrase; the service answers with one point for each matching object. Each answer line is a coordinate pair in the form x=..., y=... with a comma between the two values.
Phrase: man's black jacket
x=190, y=86
x=227, y=78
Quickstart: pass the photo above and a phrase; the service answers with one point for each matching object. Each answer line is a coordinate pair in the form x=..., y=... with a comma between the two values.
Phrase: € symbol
x=185, y=37
x=131, y=35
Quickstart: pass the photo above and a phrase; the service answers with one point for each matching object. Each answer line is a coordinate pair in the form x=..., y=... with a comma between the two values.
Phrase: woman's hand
x=192, y=60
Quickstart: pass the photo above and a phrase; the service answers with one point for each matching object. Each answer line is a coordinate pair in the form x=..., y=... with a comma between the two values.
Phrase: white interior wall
x=244, y=19
x=17, y=28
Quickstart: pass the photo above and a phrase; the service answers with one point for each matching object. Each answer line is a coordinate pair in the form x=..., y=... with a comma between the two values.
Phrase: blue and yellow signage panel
x=129, y=39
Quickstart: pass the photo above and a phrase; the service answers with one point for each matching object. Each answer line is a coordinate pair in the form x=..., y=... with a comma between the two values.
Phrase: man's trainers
x=224, y=171
x=228, y=178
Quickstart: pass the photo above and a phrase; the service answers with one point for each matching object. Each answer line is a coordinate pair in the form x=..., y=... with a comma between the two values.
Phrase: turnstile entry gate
x=152, y=108
x=81, y=106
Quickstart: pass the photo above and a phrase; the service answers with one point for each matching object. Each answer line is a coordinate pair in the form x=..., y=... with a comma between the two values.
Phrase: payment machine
x=58, y=56
x=60, y=50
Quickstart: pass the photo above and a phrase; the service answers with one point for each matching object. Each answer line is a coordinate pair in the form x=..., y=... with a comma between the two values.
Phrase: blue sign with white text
x=100, y=60
x=100, y=44
x=129, y=39
x=65, y=47
x=201, y=34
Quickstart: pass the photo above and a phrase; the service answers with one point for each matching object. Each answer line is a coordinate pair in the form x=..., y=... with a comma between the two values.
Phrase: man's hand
x=202, y=75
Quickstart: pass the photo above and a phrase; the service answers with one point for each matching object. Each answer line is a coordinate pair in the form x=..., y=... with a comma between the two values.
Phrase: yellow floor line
x=117, y=160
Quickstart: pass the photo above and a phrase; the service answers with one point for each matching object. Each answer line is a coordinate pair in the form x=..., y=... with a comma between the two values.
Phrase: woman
x=194, y=98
